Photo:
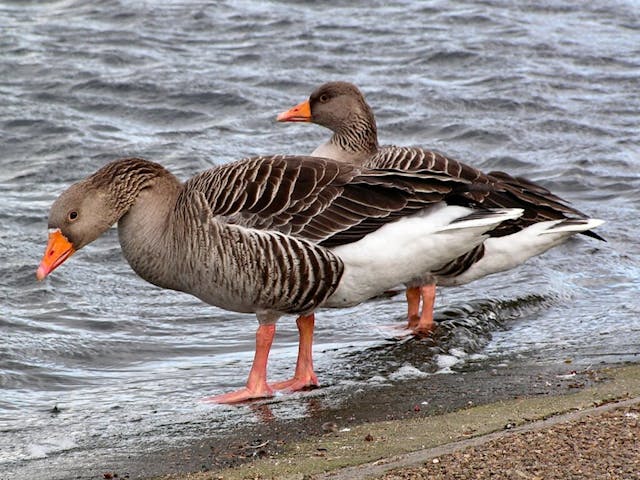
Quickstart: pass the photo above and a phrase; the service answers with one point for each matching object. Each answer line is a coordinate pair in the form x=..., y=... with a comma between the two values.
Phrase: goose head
x=79, y=215
x=335, y=105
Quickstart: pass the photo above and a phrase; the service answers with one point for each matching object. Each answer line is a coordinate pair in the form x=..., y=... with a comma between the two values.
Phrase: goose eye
x=72, y=216
x=323, y=98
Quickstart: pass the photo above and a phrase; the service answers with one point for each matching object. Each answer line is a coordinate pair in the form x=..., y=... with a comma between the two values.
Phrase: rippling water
x=96, y=361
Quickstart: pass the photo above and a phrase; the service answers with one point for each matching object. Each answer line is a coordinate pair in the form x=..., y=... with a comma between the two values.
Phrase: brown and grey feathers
x=262, y=269
x=324, y=201
x=341, y=107
x=493, y=190
x=267, y=269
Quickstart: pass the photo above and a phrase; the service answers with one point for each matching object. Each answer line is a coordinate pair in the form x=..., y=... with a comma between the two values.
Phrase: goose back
x=321, y=200
x=492, y=190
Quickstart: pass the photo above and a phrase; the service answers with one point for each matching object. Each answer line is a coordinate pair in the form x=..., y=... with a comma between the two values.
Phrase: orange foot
x=412, y=322
x=423, y=330
x=413, y=307
x=304, y=376
x=423, y=324
x=242, y=395
x=257, y=382
x=297, y=383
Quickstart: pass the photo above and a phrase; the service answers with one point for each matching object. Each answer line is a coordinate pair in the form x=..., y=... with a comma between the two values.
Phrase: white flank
x=409, y=249
x=510, y=251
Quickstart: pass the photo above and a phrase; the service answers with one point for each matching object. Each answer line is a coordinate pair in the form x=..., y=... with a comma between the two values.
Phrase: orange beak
x=299, y=113
x=58, y=250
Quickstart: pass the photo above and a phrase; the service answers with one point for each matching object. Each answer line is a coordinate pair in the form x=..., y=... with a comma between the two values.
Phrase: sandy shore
x=580, y=424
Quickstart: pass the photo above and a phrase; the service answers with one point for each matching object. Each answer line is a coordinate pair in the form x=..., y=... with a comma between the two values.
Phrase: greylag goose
x=272, y=236
x=547, y=220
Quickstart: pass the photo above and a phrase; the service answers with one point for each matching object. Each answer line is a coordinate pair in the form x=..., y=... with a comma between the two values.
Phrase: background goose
x=272, y=236
x=547, y=220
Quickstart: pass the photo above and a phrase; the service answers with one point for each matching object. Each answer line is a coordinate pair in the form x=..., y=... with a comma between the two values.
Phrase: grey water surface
x=95, y=363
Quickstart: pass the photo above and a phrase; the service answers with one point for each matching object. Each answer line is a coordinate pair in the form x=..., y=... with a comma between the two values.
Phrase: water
x=95, y=363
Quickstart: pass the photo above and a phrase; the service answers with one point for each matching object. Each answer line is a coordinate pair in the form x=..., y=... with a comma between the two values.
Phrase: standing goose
x=547, y=220
x=272, y=236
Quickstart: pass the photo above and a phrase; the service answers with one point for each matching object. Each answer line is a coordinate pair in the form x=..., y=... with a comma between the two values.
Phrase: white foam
x=478, y=356
x=53, y=445
x=36, y=451
x=457, y=352
x=407, y=371
x=445, y=362
x=378, y=379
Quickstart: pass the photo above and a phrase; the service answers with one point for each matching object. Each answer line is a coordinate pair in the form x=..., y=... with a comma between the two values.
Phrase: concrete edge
x=380, y=467
x=399, y=443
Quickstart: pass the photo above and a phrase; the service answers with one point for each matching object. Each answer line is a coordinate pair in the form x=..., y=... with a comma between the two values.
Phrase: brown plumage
x=252, y=236
x=341, y=107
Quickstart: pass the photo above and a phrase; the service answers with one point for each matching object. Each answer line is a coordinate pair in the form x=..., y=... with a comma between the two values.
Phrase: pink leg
x=425, y=324
x=304, y=377
x=257, y=383
x=413, y=307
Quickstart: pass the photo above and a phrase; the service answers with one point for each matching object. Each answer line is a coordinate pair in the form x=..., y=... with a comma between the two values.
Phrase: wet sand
x=391, y=427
